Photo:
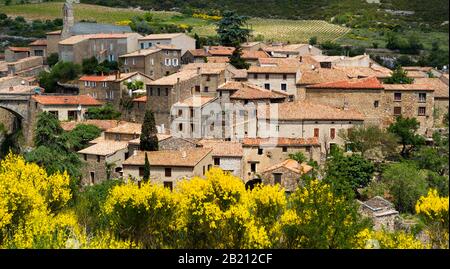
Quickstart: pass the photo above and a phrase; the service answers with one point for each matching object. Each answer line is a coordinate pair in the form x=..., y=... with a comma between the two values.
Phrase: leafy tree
x=237, y=61
x=405, y=129
x=399, y=76
x=89, y=65
x=348, y=172
x=52, y=59
x=230, y=29
x=298, y=156
x=105, y=112
x=406, y=184
x=60, y=72
x=313, y=40
x=79, y=137
x=146, y=169
x=334, y=225
x=48, y=131
x=370, y=141
x=148, y=139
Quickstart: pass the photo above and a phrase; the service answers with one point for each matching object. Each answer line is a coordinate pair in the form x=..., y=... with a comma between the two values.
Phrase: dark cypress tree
x=146, y=169
x=237, y=61
x=149, y=140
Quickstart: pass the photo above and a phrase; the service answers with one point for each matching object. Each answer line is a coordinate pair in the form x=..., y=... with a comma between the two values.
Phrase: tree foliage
x=237, y=61
x=406, y=131
x=105, y=112
x=78, y=138
x=399, y=76
x=230, y=29
x=148, y=138
x=60, y=72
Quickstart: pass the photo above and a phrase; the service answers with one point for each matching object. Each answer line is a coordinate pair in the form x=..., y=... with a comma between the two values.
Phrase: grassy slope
x=282, y=30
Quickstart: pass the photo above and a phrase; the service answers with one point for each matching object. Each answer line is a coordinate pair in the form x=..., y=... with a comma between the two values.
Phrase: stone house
x=286, y=173
x=102, y=160
x=343, y=61
x=291, y=50
x=138, y=110
x=252, y=56
x=280, y=78
x=262, y=153
x=154, y=62
x=109, y=88
x=39, y=48
x=124, y=132
x=165, y=142
x=381, y=211
x=13, y=54
x=64, y=107
x=101, y=46
x=421, y=72
x=304, y=119
x=195, y=56
x=410, y=101
x=178, y=40
x=53, y=39
x=441, y=96
x=26, y=67
x=168, y=167
x=226, y=155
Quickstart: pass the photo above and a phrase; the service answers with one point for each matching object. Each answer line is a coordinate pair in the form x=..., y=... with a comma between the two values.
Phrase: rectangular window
x=168, y=184
x=197, y=88
x=85, y=157
x=260, y=151
x=167, y=172
x=38, y=53
x=255, y=76
x=316, y=132
x=216, y=161
x=72, y=115
x=159, y=91
x=284, y=149
x=180, y=127
x=332, y=133
x=175, y=62
x=422, y=111
x=422, y=97
x=142, y=45
x=397, y=96
x=283, y=86
x=167, y=91
x=141, y=171
x=151, y=92
x=98, y=158
x=253, y=167
x=54, y=112
x=180, y=112
x=92, y=174
x=267, y=86
x=277, y=178
x=167, y=62
x=206, y=89
x=376, y=103
x=204, y=170
x=397, y=111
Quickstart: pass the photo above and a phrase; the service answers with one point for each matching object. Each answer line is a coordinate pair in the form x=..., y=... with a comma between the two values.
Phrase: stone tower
x=68, y=19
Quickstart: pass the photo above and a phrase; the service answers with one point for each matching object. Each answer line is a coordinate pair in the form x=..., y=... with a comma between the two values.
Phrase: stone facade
x=162, y=62
x=382, y=213
x=230, y=164
x=95, y=167
x=290, y=180
x=281, y=82
x=177, y=40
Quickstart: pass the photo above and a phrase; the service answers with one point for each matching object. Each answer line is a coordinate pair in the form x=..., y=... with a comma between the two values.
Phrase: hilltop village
x=291, y=100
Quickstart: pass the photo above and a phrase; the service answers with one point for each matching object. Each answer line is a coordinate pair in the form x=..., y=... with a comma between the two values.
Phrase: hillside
x=435, y=13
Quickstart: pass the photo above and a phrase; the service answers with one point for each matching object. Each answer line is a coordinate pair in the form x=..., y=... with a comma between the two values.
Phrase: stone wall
x=289, y=179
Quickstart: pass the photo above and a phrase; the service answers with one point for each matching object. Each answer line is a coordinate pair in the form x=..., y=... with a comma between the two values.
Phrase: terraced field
x=269, y=29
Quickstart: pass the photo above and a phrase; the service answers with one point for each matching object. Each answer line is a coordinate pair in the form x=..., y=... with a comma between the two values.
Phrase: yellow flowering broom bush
x=367, y=239
x=433, y=209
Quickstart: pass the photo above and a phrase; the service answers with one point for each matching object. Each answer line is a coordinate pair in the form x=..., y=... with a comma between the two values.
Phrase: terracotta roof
x=358, y=72
x=180, y=158
x=416, y=74
x=39, y=42
x=206, y=68
x=272, y=69
x=253, y=55
x=240, y=73
x=160, y=137
x=285, y=48
x=199, y=53
x=305, y=110
x=279, y=141
x=195, y=101
x=141, y=99
x=217, y=59
x=126, y=128
x=141, y=52
x=19, y=49
x=160, y=36
x=57, y=32
x=248, y=91
x=102, y=124
x=365, y=83
x=85, y=100
x=441, y=90
x=250, y=44
x=183, y=75
x=279, y=61
x=223, y=148
x=320, y=75
x=221, y=50
x=105, y=148
x=292, y=165
x=408, y=87
x=417, y=68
